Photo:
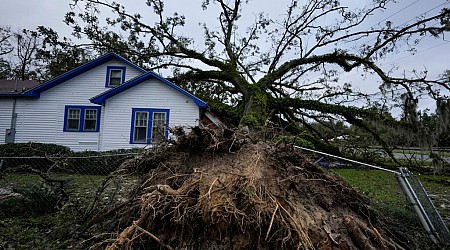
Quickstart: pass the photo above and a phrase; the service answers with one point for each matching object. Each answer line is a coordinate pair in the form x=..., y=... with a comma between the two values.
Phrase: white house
x=108, y=103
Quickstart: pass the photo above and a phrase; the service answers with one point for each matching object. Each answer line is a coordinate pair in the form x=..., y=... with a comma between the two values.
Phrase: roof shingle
x=13, y=87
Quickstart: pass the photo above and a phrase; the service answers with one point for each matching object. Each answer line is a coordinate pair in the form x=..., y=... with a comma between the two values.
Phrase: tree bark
x=255, y=107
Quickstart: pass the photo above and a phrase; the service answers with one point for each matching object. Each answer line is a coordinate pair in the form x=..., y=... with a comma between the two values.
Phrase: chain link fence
x=425, y=209
x=411, y=186
x=83, y=184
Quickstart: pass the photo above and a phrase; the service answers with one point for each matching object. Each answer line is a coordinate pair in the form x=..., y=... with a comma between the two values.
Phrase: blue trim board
x=150, y=112
x=82, y=112
x=35, y=92
x=108, y=73
x=100, y=99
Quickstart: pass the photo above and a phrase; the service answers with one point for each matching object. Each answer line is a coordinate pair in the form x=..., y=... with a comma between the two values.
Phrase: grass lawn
x=383, y=188
x=22, y=228
x=32, y=223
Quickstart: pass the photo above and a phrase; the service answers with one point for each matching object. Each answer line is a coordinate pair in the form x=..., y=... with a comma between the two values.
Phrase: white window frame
x=138, y=119
x=70, y=117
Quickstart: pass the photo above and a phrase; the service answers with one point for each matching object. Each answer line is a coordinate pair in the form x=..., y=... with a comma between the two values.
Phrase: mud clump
x=244, y=196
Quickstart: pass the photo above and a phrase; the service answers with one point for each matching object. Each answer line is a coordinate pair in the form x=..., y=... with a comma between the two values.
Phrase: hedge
x=84, y=162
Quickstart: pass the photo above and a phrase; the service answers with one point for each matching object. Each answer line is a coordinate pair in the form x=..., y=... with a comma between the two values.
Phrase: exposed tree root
x=258, y=197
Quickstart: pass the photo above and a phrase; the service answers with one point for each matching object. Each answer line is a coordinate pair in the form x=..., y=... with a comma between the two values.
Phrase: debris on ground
x=209, y=193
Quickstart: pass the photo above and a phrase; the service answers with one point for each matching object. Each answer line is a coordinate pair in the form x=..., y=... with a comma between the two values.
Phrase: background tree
x=5, y=49
x=26, y=44
x=5, y=45
x=263, y=69
x=17, y=53
x=39, y=54
x=57, y=56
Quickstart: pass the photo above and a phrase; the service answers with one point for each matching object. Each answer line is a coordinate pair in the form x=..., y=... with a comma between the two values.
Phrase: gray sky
x=432, y=53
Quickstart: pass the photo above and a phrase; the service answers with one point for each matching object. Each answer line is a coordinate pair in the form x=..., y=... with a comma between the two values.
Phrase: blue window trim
x=108, y=73
x=149, y=123
x=82, y=114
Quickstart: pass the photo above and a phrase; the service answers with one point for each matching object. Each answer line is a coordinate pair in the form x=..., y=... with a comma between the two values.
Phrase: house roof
x=16, y=87
x=100, y=99
x=35, y=92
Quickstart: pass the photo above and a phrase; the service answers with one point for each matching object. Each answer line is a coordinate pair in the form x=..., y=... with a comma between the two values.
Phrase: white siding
x=5, y=117
x=42, y=119
x=149, y=94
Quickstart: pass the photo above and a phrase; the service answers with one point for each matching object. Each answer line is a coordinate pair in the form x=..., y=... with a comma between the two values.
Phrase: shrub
x=32, y=149
x=83, y=162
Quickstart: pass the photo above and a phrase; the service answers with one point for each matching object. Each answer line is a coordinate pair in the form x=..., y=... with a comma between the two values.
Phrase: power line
x=397, y=12
x=402, y=58
x=399, y=59
x=425, y=12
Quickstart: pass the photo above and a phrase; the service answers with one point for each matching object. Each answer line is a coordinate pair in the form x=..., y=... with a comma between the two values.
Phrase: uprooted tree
x=257, y=69
x=257, y=72
x=197, y=195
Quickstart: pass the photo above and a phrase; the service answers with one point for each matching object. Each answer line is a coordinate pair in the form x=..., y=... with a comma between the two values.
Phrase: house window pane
x=90, y=119
x=140, y=127
x=73, y=119
x=158, y=127
x=115, y=77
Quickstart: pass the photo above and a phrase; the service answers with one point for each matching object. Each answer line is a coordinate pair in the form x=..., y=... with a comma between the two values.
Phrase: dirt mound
x=258, y=197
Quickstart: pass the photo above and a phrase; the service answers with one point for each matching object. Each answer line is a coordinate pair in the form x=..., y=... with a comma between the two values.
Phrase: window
x=90, y=119
x=73, y=119
x=149, y=125
x=115, y=75
x=158, y=126
x=141, y=127
x=81, y=119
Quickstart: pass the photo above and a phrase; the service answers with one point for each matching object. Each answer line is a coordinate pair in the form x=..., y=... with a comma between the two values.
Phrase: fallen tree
x=235, y=194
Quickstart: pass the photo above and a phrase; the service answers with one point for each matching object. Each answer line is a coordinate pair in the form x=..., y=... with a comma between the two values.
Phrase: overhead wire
x=404, y=8
x=397, y=12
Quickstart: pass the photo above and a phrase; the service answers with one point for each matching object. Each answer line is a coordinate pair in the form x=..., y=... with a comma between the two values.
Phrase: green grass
x=380, y=186
x=48, y=231
x=26, y=179
x=24, y=224
x=383, y=188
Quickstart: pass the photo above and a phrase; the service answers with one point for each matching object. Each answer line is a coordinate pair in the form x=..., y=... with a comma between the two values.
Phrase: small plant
x=42, y=198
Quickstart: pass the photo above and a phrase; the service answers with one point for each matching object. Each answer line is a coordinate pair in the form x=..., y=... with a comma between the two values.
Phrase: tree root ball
x=261, y=196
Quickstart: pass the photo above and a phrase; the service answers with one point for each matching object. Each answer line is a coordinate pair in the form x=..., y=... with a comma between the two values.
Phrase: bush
x=83, y=162
x=32, y=149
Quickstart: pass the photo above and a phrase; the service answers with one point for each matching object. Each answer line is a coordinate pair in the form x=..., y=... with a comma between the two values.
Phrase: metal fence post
x=412, y=198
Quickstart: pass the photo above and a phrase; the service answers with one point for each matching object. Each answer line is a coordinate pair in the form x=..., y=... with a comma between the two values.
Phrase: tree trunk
x=255, y=108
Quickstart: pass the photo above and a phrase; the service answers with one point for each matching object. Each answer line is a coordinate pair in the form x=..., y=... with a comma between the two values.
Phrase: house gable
x=137, y=106
x=100, y=99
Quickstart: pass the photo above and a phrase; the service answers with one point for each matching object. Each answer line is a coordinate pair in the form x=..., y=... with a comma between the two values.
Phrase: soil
x=244, y=195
